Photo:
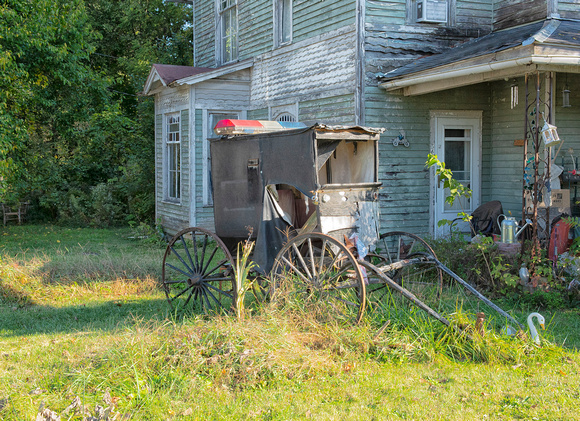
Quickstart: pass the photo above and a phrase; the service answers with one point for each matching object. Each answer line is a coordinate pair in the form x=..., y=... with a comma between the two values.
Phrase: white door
x=458, y=144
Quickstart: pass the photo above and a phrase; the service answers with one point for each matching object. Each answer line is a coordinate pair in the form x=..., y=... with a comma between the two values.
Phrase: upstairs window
x=172, y=158
x=282, y=22
x=228, y=30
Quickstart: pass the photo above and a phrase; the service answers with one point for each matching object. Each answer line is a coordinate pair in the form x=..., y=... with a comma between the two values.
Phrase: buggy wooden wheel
x=198, y=272
x=318, y=272
x=422, y=274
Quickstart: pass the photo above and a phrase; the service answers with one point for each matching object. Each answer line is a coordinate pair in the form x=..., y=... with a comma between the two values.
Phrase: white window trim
x=165, y=166
x=220, y=53
x=207, y=200
x=278, y=24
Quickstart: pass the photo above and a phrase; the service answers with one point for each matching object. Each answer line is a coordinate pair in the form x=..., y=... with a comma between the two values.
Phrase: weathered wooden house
x=450, y=77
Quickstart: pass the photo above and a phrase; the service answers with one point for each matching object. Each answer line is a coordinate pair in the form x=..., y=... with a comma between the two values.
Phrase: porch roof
x=165, y=74
x=551, y=45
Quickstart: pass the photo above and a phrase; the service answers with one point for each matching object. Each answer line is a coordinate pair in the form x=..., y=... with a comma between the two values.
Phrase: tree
x=74, y=135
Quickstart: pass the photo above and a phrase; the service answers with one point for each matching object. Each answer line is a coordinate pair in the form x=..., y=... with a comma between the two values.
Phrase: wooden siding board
x=204, y=27
x=256, y=27
x=508, y=13
x=204, y=213
x=308, y=14
x=505, y=175
x=302, y=72
x=261, y=114
x=569, y=9
x=332, y=110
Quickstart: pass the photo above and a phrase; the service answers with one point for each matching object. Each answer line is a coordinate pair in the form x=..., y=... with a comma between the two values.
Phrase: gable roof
x=169, y=73
x=163, y=75
x=505, y=53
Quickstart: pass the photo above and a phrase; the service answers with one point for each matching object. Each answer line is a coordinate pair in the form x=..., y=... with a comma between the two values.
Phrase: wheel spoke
x=179, y=270
x=204, y=293
x=181, y=293
x=296, y=271
x=216, y=279
x=302, y=262
x=329, y=267
x=203, y=271
x=194, y=238
x=203, y=250
x=322, y=254
x=193, y=266
x=311, y=255
x=216, y=267
x=221, y=291
x=177, y=281
x=189, y=298
x=182, y=261
x=208, y=292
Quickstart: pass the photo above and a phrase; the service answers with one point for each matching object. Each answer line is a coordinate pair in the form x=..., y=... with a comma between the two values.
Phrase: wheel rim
x=422, y=278
x=316, y=270
x=197, y=272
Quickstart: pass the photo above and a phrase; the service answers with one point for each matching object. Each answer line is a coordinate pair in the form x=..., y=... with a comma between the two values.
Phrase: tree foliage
x=75, y=137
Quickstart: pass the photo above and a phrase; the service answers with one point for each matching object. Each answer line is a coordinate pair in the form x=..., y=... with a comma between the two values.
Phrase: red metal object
x=559, y=242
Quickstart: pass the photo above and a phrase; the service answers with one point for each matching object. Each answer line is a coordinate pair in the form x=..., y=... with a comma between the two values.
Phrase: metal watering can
x=509, y=228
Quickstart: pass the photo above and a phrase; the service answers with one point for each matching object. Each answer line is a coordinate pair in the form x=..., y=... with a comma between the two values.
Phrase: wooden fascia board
x=511, y=63
x=151, y=79
x=457, y=82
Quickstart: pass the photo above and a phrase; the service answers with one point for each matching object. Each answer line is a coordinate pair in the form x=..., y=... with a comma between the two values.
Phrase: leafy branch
x=455, y=188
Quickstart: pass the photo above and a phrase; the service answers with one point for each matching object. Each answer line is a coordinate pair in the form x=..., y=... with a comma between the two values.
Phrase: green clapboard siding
x=256, y=26
x=331, y=110
x=382, y=12
x=505, y=177
x=569, y=9
x=312, y=18
x=174, y=216
x=405, y=193
x=205, y=33
x=261, y=114
x=204, y=214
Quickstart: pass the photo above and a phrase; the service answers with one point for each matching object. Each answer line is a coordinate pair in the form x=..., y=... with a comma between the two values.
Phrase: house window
x=282, y=22
x=228, y=30
x=172, y=157
x=212, y=118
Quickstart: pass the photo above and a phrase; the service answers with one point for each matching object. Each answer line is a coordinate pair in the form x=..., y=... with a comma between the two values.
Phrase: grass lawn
x=85, y=329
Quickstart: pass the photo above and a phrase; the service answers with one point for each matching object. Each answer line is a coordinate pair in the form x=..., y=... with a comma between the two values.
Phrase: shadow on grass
x=104, y=316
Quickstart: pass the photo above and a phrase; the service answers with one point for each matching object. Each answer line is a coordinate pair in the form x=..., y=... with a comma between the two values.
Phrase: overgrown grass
x=79, y=324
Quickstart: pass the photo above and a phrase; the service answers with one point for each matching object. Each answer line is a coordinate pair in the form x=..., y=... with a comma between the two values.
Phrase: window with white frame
x=212, y=119
x=282, y=22
x=228, y=30
x=172, y=173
